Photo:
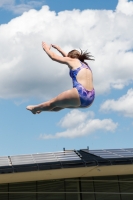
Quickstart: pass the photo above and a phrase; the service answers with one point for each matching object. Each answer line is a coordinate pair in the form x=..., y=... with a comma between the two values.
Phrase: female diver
x=82, y=94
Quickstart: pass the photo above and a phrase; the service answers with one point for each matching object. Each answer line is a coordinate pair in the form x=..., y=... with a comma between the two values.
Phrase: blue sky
x=28, y=76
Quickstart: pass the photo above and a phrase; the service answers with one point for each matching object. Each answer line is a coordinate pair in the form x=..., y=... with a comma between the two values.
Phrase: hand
x=45, y=46
x=55, y=46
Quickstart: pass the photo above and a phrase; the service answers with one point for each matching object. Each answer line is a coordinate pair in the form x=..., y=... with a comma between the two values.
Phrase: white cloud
x=125, y=7
x=74, y=117
x=79, y=124
x=123, y=105
x=26, y=71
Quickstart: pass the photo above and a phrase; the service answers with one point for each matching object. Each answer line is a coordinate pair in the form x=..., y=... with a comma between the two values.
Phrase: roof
x=83, y=160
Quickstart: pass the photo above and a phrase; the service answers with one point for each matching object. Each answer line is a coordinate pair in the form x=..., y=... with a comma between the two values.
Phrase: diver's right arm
x=60, y=50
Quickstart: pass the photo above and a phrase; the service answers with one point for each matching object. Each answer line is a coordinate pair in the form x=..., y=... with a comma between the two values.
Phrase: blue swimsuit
x=86, y=96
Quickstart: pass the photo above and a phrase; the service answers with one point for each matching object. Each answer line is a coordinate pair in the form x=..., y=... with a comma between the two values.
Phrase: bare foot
x=32, y=109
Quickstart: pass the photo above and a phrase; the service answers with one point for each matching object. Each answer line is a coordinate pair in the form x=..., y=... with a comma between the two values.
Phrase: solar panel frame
x=58, y=158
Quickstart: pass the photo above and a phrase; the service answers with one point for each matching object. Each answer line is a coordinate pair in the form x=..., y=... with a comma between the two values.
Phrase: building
x=68, y=175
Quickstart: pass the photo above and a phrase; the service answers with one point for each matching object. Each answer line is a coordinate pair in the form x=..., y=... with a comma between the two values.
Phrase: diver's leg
x=69, y=98
x=54, y=109
x=57, y=109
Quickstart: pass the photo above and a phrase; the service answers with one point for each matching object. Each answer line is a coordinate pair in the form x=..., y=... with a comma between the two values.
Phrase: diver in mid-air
x=82, y=94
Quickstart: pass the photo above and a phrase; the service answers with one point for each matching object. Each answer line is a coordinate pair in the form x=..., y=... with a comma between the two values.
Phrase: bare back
x=85, y=78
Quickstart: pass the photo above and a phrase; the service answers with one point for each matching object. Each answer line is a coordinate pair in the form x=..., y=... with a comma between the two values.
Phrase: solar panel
x=55, y=157
x=44, y=157
x=63, y=156
x=129, y=149
x=67, y=156
x=113, y=153
x=4, y=161
x=22, y=159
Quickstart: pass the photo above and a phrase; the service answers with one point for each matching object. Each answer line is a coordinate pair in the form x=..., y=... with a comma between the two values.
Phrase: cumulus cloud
x=123, y=105
x=125, y=7
x=79, y=124
x=26, y=71
x=75, y=117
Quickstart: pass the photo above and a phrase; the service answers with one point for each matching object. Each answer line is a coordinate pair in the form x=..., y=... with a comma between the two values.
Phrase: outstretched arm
x=60, y=50
x=55, y=57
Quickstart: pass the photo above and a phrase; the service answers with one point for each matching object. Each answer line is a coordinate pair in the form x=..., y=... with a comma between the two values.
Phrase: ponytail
x=85, y=56
x=81, y=56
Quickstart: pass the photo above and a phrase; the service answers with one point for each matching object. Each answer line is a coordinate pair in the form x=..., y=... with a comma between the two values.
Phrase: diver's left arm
x=60, y=50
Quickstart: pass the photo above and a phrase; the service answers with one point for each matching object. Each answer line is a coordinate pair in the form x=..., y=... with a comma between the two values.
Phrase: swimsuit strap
x=83, y=65
x=73, y=73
